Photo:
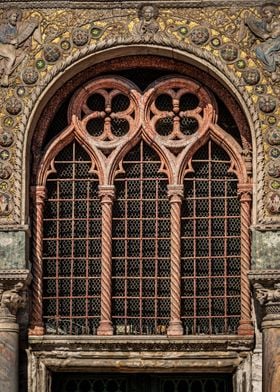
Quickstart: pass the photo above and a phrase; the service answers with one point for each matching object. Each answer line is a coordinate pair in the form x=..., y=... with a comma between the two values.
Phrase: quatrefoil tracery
x=109, y=114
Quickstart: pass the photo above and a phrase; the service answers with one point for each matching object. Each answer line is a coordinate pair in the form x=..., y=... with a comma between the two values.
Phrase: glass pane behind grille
x=141, y=246
x=210, y=245
x=72, y=246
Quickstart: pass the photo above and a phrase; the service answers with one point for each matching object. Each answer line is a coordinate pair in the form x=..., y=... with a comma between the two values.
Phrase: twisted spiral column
x=37, y=326
x=106, y=194
x=175, y=194
x=245, y=324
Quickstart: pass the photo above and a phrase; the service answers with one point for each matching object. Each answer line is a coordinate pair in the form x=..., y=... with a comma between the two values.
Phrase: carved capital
x=106, y=193
x=269, y=298
x=175, y=193
x=38, y=194
x=11, y=301
x=245, y=192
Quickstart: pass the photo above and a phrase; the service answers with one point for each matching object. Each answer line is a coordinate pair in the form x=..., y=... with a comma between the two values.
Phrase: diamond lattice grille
x=72, y=246
x=210, y=245
x=141, y=246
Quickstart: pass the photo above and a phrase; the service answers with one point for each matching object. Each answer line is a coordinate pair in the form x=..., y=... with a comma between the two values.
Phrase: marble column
x=268, y=295
x=11, y=301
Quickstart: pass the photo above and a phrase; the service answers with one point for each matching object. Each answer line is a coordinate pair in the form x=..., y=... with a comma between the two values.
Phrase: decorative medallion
x=271, y=120
x=8, y=122
x=51, y=53
x=65, y=44
x=13, y=106
x=241, y=64
x=267, y=104
x=251, y=76
x=30, y=75
x=215, y=42
x=229, y=52
x=40, y=64
x=275, y=185
x=273, y=202
x=273, y=168
x=4, y=155
x=6, y=138
x=5, y=172
x=96, y=32
x=21, y=91
x=273, y=136
x=183, y=30
x=6, y=204
x=274, y=152
x=80, y=37
x=260, y=89
x=3, y=186
x=199, y=35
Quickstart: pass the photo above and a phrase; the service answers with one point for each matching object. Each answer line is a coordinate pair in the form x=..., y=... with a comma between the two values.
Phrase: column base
x=245, y=328
x=105, y=328
x=36, y=331
x=175, y=328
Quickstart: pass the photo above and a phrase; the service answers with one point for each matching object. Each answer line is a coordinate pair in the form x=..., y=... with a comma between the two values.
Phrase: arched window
x=142, y=212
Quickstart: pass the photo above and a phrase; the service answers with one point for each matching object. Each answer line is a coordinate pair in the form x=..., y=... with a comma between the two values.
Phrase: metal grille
x=71, y=246
x=141, y=382
x=141, y=246
x=210, y=245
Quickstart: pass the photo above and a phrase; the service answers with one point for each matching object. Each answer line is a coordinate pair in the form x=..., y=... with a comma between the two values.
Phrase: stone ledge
x=209, y=343
x=267, y=277
x=9, y=277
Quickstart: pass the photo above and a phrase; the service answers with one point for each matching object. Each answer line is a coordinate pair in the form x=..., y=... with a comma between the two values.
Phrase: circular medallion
x=65, y=44
x=267, y=103
x=80, y=37
x=241, y=64
x=260, y=89
x=51, y=53
x=13, y=106
x=183, y=30
x=273, y=202
x=216, y=42
x=40, y=64
x=5, y=172
x=8, y=122
x=21, y=91
x=4, y=155
x=95, y=32
x=273, y=136
x=199, y=35
x=30, y=75
x=274, y=152
x=273, y=168
x=6, y=138
x=251, y=76
x=275, y=185
x=229, y=52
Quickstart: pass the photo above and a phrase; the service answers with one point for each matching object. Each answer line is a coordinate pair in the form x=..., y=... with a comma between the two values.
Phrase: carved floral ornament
x=243, y=44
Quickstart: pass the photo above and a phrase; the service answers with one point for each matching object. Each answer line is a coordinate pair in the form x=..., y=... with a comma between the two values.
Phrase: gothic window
x=142, y=212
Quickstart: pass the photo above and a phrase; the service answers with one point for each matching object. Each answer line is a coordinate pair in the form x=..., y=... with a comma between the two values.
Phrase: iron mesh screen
x=141, y=246
x=71, y=246
x=210, y=245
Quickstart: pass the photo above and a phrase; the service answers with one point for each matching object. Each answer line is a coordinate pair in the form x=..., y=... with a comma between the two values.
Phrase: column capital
x=11, y=301
x=38, y=193
x=175, y=192
x=245, y=191
x=106, y=193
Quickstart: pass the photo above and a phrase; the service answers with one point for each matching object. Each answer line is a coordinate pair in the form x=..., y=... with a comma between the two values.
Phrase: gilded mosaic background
x=244, y=44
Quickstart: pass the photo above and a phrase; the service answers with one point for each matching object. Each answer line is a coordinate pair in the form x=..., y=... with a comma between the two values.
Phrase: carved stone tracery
x=139, y=115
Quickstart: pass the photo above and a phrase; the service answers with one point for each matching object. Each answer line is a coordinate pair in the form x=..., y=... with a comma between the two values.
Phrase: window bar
x=37, y=326
x=175, y=194
x=245, y=325
x=106, y=194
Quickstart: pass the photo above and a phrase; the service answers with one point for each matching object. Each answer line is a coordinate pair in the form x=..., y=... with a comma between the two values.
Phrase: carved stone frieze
x=43, y=42
x=11, y=301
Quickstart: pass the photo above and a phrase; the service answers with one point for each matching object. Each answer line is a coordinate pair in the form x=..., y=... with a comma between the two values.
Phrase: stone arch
x=120, y=47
